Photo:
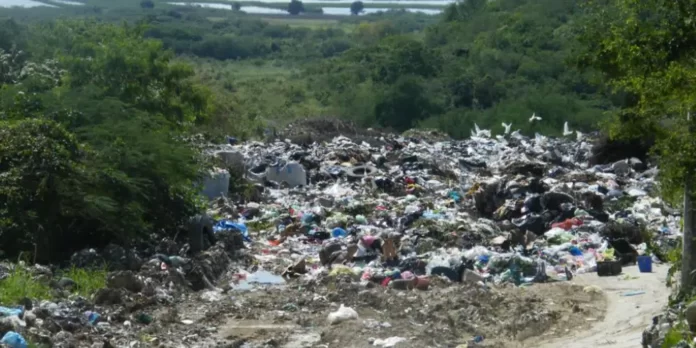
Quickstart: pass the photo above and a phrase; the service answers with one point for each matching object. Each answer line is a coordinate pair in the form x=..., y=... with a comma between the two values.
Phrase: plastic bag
x=225, y=225
x=14, y=340
x=342, y=314
x=8, y=312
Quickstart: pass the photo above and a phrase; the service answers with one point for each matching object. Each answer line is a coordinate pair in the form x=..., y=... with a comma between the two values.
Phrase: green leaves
x=645, y=49
x=91, y=153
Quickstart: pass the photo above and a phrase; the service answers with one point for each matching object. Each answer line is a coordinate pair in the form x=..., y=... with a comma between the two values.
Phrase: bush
x=147, y=4
x=100, y=158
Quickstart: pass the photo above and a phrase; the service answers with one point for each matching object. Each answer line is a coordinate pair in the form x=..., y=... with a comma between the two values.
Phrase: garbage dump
x=516, y=209
x=390, y=240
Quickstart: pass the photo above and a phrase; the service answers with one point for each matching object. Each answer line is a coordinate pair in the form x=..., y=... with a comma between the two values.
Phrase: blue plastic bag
x=92, y=317
x=455, y=196
x=8, y=312
x=575, y=251
x=14, y=340
x=226, y=225
x=307, y=219
x=339, y=232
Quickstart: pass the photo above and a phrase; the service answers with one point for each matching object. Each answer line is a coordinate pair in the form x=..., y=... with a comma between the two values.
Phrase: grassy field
x=239, y=71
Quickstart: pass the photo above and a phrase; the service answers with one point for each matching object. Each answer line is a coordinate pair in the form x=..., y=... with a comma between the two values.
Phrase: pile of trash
x=491, y=210
x=418, y=228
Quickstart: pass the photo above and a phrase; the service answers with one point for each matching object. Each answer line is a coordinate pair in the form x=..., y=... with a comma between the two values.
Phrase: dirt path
x=626, y=317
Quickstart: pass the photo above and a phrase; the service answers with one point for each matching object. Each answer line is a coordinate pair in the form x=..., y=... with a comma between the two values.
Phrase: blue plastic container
x=645, y=264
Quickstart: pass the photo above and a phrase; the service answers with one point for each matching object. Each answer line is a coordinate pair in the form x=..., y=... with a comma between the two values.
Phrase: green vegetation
x=654, y=77
x=22, y=284
x=113, y=90
x=87, y=281
x=19, y=285
x=92, y=150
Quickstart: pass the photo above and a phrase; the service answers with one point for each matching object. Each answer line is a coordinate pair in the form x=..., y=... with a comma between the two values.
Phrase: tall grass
x=87, y=281
x=19, y=285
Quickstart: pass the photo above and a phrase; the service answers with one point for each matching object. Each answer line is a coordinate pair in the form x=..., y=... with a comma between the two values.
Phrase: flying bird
x=534, y=118
x=507, y=127
x=580, y=136
x=566, y=130
x=478, y=132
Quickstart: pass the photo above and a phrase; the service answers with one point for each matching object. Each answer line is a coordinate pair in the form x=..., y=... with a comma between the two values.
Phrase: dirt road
x=626, y=316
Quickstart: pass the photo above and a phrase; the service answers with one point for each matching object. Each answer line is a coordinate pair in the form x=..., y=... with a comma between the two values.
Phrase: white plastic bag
x=342, y=314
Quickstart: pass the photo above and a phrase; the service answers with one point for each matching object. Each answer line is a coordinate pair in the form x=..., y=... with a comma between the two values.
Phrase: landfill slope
x=383, y=240
x=446, y=315
x=626, y=317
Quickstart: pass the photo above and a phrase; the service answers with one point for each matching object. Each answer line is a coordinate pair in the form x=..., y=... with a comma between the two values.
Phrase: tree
x=645, y=50
x=236, y=6
x=147, y=4
x=92, y=147
x=42, y=174
x=405, y=103
x=295, y=7
x=130, y=68
x=357, y=7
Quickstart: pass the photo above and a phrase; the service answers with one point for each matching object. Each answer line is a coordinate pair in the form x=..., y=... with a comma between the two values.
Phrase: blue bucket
x=645, y=264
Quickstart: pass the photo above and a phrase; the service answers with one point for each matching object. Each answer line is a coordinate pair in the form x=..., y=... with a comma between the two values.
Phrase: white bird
x=478, y=132
x=534, y=118
x=516, y=134
x=566, y=130
x=579, y=135
x=507, y=127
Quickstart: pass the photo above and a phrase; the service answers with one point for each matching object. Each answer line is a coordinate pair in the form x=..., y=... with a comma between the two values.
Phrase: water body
x=201, y=4
x=345, y=11
x=23, y=3
x=333, y=11
x=263, y=10
x=258, y=278
x=67, y=2
x=371, y=2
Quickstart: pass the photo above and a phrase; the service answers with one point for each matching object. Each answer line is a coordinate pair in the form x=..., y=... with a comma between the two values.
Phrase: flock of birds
x=486, y=133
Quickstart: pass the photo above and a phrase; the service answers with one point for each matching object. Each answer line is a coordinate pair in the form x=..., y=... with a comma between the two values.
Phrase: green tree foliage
x=42, y=172
x=356, y=7
x=486, y=62
x=93, y=150
x=295, y=7
x=645, y=52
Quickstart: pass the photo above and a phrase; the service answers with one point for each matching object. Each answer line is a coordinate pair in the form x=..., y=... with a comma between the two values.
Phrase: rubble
x=406, y=229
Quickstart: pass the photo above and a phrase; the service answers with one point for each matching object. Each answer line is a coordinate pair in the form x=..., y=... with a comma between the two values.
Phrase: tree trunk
x=688, y=259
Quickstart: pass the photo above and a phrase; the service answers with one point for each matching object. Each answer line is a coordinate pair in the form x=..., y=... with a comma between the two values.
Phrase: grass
x=87, y=281
x=19, y=285
x=212, y=71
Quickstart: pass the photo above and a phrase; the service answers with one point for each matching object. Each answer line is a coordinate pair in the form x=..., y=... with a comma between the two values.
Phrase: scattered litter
x=389, y=342
x=633, y=293
x=342, y=314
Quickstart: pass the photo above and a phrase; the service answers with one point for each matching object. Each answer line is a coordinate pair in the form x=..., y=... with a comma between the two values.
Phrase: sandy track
x=626, y=316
